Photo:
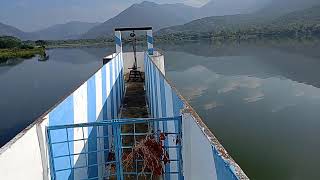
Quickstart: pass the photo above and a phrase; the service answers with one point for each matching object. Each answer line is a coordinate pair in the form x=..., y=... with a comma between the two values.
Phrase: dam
x=91, y=133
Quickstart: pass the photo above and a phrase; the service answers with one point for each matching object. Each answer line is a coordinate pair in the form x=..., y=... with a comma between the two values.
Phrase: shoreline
x=6, y=54
x=217, y=40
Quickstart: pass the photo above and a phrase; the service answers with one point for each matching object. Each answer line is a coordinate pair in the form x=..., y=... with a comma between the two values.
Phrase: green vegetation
x=11, y=48
x=300, y=24
x=7, y=42
x=253, y=32
x=101, y=42
x=6, y=54
x=78, y=43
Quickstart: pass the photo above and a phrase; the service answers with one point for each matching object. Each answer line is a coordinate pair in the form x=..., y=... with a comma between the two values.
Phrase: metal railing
x=94, y=151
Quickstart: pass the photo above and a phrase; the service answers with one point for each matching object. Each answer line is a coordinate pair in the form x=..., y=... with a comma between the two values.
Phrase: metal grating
x=94, y=151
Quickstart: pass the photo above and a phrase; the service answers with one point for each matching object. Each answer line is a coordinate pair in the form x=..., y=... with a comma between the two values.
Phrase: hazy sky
x=30, y=15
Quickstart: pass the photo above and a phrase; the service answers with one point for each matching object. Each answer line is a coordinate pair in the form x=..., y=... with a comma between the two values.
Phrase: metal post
x=118, y=149
x=134, y=49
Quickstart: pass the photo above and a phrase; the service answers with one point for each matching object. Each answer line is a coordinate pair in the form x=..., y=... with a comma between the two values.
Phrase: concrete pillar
x=150, y=42
x=118, y=41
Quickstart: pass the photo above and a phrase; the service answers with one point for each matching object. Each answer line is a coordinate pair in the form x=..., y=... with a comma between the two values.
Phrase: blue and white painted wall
x=203, y=156
x=97, y=99
x=162, y=103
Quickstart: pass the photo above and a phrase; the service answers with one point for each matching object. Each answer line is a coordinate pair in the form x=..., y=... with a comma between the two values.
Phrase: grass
x=6, y=54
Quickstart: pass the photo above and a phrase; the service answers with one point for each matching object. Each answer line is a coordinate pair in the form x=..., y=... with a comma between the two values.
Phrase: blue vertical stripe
x=61, y=115
x=105, y=108
x=150, y=89
x=223, y=170
x=111, y=89
x=123, y=80
x=150, y=51
x=154, y=106
x=157, y=96
x=164, y=123
x=153, y=80
x=104, y=92
x=148, y=80
x=119, y=85
x=177, y=106
x=118, y=41
x=64, y=114
x=92, y=131
x=146, y=76
x=150, y=39
x=116, y=87
x=151, y=92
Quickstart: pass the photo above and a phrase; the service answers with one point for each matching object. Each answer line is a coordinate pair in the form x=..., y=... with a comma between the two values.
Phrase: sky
x=32, y=15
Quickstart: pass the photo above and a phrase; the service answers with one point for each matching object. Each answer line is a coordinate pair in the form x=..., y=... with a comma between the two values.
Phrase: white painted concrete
x=158, y=60
x=43, y=145
x=128, y=59
x=22, y=160
x=198, y=161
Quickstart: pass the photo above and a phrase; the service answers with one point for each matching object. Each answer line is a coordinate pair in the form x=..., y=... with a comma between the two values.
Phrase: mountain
x=231, y=7
x=165, y=15
x=70, y=30
x=146, y=14
x=6, y=30
x=277, y=8
x=306, y=16
x=247, y=22
x=259, y=8
x=213, y=23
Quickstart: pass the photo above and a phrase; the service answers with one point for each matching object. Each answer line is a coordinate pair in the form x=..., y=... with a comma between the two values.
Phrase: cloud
x=282, y=107
x=211, y=105
x=234, y=83
x=256, y=96
x=196, y=3
x=194, y=92
x=306, y=91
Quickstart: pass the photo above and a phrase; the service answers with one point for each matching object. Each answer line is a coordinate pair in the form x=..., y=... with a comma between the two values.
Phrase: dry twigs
x=151, y=152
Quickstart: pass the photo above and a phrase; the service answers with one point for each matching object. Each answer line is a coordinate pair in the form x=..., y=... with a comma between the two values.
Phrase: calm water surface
x=260, y=99
x=30, y=88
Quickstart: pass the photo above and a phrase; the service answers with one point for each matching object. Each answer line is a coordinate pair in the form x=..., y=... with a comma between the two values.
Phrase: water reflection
x=260, y=61
x=31, y=87
x=262, y=105
x=261, y=99
x=11, y=62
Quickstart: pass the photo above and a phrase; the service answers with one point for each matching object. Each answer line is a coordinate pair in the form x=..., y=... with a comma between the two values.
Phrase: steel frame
x=117, y=146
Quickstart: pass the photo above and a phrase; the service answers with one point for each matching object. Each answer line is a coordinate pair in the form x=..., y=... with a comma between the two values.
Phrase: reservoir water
x=31, y=87
x=260, y=99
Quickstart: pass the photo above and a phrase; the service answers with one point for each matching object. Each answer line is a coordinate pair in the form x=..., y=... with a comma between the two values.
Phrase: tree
x=9, y=42
x=41, y=43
